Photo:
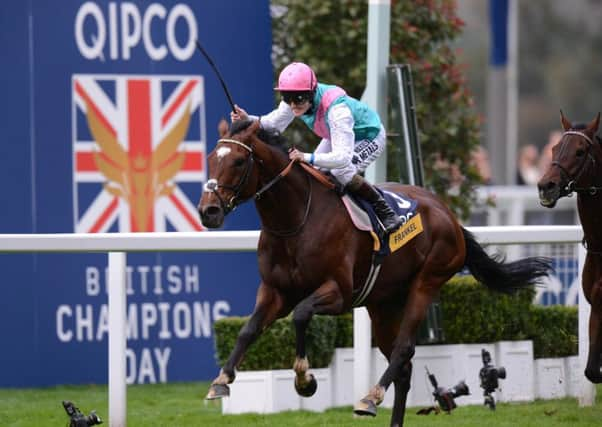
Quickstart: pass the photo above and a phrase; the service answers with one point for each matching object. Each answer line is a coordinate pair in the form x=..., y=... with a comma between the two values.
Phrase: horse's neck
x=283, y=206
x=589, y=207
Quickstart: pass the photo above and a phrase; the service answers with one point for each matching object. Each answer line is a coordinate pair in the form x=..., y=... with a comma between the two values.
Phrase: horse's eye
x=579, y=153
x=239, y=162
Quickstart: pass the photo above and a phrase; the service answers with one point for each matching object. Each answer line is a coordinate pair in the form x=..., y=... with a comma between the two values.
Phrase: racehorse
x=576, y=168
x=312, y=260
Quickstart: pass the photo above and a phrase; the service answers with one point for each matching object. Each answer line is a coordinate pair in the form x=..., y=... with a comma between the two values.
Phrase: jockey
x=352, y=133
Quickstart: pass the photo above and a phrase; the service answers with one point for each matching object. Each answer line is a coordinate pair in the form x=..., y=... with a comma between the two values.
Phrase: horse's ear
x=593, y=125
x=222, y=128
x=566, y=125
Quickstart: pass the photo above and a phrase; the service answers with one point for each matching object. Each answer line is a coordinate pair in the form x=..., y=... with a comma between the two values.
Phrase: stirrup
x=392, y=226
x=387, y=217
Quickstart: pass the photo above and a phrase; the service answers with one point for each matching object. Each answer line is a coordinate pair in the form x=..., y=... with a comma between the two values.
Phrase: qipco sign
x=113, y=30
x=111, y=116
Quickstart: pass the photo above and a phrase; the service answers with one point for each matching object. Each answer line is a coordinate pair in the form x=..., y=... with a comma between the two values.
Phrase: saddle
x=364, y=218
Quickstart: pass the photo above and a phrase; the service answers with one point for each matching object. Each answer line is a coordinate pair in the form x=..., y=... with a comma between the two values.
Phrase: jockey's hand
x=240, y=114
x=295, y=154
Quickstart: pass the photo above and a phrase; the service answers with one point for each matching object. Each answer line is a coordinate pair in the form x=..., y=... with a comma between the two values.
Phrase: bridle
x=570, y=187
x=566, y=176
x=211, y=186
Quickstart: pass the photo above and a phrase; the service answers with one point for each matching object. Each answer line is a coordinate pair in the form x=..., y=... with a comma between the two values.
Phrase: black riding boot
x=362, y=188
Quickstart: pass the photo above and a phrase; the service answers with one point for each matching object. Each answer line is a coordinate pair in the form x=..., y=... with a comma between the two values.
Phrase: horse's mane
x=270, y=137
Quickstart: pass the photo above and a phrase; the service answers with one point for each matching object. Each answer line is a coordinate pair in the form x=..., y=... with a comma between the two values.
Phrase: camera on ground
x=77, y=419
x=490, y=376
x=445, y=398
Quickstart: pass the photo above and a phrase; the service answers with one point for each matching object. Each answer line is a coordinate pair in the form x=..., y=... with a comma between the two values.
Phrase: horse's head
x=232, y=175
x=574, y=162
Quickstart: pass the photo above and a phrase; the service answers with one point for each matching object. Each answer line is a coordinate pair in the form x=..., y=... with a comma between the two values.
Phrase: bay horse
x=577, y=168
x=312, y=260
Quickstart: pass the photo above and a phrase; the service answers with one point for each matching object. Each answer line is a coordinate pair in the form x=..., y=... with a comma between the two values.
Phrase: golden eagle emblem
x=142, y=179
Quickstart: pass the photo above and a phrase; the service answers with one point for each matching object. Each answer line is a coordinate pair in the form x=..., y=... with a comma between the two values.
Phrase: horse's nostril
x=546, y=186
x=211, y=216
x=212, y=210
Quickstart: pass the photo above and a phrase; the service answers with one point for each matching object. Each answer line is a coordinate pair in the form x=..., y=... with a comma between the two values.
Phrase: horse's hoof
x=593, y=375
x=217, y=391
x=365, y=407
x=309, y=389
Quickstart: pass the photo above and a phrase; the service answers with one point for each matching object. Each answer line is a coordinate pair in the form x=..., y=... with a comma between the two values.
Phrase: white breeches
x=364, y=153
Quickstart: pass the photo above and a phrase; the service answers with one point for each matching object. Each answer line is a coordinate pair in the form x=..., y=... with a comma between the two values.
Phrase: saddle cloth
x=363, y=217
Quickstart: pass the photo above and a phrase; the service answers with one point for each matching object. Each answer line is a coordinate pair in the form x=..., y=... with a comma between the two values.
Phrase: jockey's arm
x=342, y=140
x=279, y=119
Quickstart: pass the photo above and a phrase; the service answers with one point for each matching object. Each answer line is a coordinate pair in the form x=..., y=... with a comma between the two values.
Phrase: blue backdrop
x=91, y=91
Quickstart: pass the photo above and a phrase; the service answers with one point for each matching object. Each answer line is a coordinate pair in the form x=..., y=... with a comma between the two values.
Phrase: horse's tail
x=501, y=276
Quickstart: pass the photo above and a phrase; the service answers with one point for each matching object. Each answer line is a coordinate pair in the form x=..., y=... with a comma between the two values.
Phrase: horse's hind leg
x=386, y=321
x=327, y=299
x=402, y=383
x=400, y=367
x=270, y=306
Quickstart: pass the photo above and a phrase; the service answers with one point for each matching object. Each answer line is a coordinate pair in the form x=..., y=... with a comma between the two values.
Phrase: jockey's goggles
x=297, y=97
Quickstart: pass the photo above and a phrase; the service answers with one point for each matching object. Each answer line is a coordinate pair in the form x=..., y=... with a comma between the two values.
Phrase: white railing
x=118, y=244
x=519, y=205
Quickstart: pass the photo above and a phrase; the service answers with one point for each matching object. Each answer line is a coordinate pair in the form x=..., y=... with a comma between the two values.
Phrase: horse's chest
x=287, y=267
x=287, y=273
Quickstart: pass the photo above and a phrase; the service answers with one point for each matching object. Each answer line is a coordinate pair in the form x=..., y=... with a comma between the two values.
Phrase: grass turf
x=182, y=404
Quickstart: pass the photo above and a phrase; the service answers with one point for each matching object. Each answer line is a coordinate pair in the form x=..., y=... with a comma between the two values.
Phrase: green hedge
x=471, y=313
x=495, y=317
x=554, y=331
x=275, y=348
x=344, y=331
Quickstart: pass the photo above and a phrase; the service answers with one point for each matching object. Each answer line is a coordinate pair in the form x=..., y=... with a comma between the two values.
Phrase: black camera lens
x=501, y=373
x=93, y=419
x=460, y=389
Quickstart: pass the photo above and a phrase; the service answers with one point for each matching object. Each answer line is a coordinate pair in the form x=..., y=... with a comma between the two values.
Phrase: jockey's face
x=300, y=109
x=300, y=101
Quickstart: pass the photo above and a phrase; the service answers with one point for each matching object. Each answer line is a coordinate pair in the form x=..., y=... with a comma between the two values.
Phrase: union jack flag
x=138, y=145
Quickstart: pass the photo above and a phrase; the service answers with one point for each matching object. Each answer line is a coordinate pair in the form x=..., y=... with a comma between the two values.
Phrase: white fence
x=519, y=205
x=118, y=244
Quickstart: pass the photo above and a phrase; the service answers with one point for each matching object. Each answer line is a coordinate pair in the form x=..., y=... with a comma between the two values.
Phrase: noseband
x=566, y=176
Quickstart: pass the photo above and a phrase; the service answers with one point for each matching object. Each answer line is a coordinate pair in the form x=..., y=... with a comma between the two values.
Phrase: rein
x=212, y=185
x=297, y=229
x=570, y=187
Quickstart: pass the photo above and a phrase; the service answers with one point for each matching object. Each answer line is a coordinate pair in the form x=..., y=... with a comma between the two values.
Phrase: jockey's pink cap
x=297, y=76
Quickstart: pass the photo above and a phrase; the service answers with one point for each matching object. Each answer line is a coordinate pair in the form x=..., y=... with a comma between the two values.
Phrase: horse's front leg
x=327, y=299
x=270, y=306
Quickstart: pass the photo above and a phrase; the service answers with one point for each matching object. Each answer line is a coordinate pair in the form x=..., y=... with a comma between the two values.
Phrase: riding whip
x=219, y=76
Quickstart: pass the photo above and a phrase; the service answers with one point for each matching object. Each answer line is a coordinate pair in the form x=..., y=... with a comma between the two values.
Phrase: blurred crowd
x=532, y=164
